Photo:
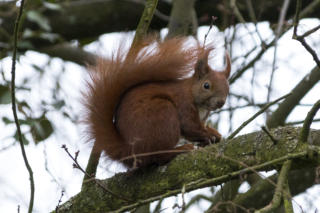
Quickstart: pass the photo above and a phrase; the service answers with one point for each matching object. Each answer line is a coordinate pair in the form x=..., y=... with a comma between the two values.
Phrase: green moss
x=204, y=164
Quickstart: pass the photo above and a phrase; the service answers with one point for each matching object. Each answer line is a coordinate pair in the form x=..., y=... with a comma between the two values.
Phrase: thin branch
x=213, y=18
x=278, y=33
x=59, y=202
x=301, y=179
x=239, y=16
x=309, y=49
x=309, y=32
x=239, y=73
x=254, y=19
x=312, y=149
x=296, y=18
x=77, y=166
x=134, y=156
x=75, y=161
x=282, y=179
x=256, y=115
x=227, y=192
x=307, y=123
x=14, y=110
x=301, y=39
x=198, y=198
x=279, y=116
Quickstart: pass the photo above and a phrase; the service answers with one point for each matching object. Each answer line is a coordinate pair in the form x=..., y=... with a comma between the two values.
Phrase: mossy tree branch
x=205, y=167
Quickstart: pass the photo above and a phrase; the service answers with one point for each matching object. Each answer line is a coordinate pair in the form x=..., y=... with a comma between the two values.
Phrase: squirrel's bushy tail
x=111, y=78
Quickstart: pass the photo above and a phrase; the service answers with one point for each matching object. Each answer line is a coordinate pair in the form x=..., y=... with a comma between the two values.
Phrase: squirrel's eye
x=206, y=85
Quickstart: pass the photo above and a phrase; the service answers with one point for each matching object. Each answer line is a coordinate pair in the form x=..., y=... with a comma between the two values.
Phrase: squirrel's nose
x=220, y=103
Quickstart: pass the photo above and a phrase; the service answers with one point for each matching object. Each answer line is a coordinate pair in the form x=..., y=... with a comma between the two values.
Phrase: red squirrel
x=139, y=104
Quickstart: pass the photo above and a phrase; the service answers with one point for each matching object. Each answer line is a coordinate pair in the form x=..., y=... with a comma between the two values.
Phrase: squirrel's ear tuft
x=228, y=66
x=202, y=67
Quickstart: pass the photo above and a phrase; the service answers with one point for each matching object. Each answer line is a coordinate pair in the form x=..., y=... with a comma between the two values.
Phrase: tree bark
x=210, y=166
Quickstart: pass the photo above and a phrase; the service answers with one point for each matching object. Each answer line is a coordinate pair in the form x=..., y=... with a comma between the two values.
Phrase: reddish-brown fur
x=139, y=105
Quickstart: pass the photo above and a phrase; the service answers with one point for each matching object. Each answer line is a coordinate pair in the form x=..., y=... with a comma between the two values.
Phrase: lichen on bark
x=211, y=165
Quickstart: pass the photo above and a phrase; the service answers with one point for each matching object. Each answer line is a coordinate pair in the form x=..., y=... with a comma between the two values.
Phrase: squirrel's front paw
x=215, y=136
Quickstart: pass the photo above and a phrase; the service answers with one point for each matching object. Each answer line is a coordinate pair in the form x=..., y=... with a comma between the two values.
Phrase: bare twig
x=309, y=49
x=60, y=200
x=77, y=166
x=14, y=110
x=134, y=156
x=309, y=32
x=275, y=141
x=256, y=115
x=307, y=122
x=213, y=18
x=196, y=199
x=239, y=73
x=75, y=162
